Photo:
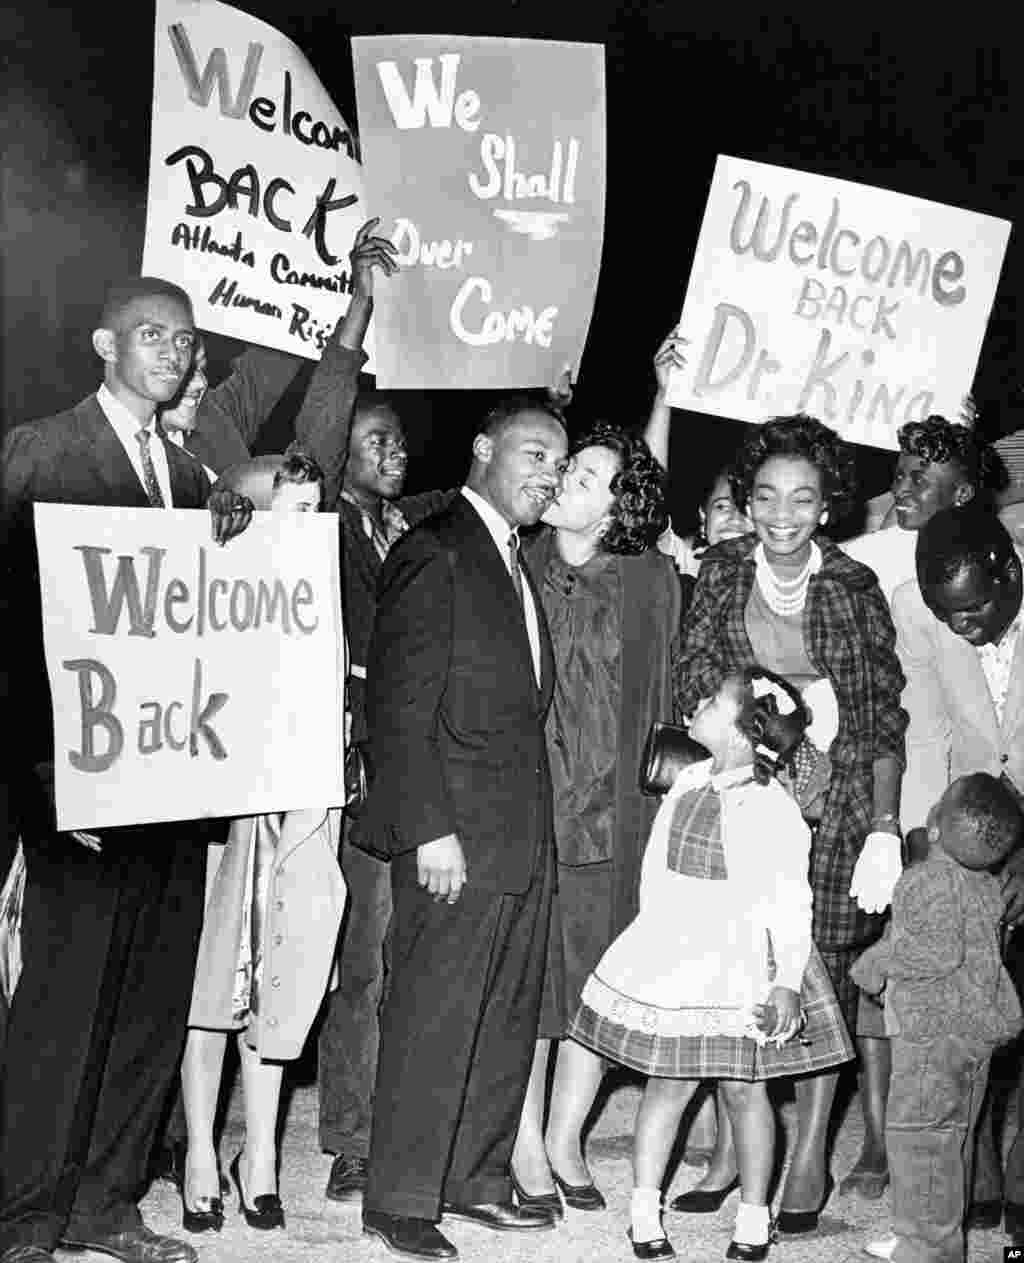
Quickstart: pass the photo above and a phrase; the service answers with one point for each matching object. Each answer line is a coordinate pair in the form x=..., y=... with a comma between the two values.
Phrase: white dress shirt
x=126, y=427
x=997, y=664
x=500, y=531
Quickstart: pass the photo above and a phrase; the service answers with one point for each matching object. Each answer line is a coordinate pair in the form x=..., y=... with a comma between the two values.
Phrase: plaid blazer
x=850, y=639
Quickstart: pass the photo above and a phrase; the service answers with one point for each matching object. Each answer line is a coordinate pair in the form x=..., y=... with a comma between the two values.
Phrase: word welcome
x=262, y=111
x=204, y=605
x=843, y=252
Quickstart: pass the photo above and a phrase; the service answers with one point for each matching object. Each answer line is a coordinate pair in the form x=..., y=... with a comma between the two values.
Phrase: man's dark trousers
x=96, y=1026
x=461, y=1016
x=350, y=1035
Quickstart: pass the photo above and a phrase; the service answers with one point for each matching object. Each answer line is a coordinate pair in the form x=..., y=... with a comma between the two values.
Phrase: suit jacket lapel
x=188, y=478
x=500, y=582
x=110, y=464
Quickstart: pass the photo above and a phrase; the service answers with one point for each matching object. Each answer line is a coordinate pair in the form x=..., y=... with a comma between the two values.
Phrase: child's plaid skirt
x=646, y=1037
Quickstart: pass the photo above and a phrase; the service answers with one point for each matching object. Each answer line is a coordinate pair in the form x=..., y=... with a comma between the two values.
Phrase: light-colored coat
x=953, y=726
x=305, y=902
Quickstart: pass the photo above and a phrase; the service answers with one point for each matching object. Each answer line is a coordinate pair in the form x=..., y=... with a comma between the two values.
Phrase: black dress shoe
x=266, y=1211
x=703, y=1201
x=750, y=1253
x=135, y=1245
x=347, y=1180
x=580, y=1196
x=985, y=1214
x=659, y=1248
x=499, y=1216
x=408, y=1238
x=550, y=1203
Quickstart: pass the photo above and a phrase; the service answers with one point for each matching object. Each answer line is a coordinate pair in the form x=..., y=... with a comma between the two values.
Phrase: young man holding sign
x=110, y=923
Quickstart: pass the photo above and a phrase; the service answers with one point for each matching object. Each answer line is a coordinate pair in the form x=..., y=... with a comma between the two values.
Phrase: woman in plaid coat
x=786, y=600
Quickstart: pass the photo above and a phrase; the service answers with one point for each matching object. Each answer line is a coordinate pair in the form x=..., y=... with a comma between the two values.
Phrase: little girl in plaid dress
x=717, y=977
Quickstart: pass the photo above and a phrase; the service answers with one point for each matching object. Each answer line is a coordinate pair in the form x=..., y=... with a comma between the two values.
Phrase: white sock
x=645, y=1214
x=751, y=1224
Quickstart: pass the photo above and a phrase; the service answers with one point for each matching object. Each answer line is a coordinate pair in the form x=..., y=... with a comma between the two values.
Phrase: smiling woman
x=787, y=600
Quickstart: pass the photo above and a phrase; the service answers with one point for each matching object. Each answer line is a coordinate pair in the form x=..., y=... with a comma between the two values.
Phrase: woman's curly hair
x=805, y=438
x=943, y=442
x=639, y=514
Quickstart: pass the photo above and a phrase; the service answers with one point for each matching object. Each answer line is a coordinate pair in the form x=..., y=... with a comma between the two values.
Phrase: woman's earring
x=824, y=517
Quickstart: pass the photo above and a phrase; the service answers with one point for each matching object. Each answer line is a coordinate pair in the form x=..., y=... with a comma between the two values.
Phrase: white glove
x=876, y=872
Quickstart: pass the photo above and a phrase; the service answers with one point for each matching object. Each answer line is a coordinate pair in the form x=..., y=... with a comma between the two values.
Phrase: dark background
x=920, y=104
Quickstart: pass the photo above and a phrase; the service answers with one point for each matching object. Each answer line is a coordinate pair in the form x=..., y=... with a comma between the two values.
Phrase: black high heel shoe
x=797, y=1221
x=549, y=1202
x=266, y=1211
x=703, y=1201
x=580, y=1196
x=208, y=1215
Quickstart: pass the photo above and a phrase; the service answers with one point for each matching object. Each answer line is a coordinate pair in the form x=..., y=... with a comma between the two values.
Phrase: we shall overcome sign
x=189, y=679
x=863, y=307
x=255, y=195
x=488, y=157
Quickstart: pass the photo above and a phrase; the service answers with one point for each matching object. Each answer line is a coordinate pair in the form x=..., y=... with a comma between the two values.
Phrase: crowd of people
x=829, y=877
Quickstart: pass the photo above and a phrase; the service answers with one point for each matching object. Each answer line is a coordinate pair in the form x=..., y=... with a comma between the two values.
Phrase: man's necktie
x=156, y=497
x=513, y=565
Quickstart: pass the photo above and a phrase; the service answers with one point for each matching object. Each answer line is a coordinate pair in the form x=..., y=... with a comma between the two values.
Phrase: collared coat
x=305, y=902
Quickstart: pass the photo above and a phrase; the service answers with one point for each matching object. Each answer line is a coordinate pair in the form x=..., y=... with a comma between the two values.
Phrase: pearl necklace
x=785, y=597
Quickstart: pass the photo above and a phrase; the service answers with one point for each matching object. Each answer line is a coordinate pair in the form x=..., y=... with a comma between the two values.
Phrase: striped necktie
x=156, y=496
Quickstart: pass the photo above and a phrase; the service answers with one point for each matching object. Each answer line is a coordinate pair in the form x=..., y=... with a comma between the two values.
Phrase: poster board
x=190, y=679
x=863, y=307
x=255, y=193
x=485, y=159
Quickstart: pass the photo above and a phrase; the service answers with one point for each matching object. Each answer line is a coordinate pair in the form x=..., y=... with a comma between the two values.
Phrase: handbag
x=667, y=751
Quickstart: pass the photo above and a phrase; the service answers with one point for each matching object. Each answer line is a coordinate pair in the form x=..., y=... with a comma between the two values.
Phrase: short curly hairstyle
x=987, y=821
x=639, y=513
x=804, y=438
x=943, y=442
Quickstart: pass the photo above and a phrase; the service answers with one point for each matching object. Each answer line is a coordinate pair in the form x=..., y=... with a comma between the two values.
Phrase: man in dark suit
x=110, y=921
x=459, y=680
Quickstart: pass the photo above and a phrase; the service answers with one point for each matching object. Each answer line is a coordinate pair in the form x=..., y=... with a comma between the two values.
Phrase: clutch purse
x=667, y=751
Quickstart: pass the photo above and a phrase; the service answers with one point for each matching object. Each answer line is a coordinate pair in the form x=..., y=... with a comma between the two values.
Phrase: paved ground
x=318, y=1230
